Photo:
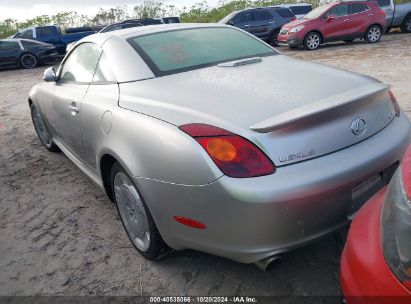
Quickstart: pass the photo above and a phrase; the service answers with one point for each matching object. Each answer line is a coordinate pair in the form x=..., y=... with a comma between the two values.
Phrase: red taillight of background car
x=395, y=104
x=396, y=222
x=234, y=155
x=293, y=19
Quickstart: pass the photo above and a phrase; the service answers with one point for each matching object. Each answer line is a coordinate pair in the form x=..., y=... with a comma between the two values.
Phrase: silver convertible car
x=207, y=138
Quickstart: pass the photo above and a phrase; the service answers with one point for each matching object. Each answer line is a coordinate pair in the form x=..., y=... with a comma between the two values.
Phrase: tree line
x=200, y=12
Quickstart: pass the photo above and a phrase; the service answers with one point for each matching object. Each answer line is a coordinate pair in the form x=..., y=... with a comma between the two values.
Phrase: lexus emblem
x=358, y=126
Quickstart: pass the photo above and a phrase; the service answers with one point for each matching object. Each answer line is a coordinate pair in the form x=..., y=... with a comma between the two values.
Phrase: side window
x=261, y=15
x=104, y=72
x=27, y=43
x=356, y=8
x=300, y=10
x=45, y=31
x=338, y=11
x=285, y=13
x=241, y=18
x=27, y=34
x=9, y=46
x=81, y=63
x=382, y=3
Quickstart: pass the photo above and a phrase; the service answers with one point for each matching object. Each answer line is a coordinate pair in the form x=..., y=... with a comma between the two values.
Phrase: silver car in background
x=207, y=138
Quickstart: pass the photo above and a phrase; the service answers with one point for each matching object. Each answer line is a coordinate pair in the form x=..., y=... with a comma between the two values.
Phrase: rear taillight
x=396, y=222
x=395, y=104
x=293, y=18
x=234, y=155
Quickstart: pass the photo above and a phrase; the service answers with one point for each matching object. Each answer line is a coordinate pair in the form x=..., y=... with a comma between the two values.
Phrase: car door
x=359, y=19
x=63, y=106
x=260, y=23
x=336, y=23
x=9, y=53
x=242, y=20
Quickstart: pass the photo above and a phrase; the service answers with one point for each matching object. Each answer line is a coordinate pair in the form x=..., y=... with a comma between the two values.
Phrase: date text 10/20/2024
x=188, y=299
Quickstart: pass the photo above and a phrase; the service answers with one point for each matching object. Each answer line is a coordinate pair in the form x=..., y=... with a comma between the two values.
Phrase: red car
x=337, y=21
x=376, y=260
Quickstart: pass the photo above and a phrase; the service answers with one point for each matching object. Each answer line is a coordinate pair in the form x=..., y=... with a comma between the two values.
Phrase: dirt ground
x=60, y=235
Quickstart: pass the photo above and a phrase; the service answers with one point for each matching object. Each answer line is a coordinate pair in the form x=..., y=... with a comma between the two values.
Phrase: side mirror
x=50, y=75
x=231, y=22
x=330, y=17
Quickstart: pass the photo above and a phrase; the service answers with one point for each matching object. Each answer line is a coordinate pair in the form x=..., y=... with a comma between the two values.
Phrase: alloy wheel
x=132, y=212
x=40, y=127
x=408, y=25
x=313, y=41
x=28, y=61
x=374, y=34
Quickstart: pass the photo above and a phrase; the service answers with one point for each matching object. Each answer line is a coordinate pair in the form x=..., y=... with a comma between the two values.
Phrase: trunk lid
x=293, y=110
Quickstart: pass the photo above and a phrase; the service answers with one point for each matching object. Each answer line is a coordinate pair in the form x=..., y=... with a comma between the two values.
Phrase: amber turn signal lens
x=221, y=149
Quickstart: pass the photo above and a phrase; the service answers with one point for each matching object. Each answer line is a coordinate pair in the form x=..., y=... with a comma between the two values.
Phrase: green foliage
x=199, y=12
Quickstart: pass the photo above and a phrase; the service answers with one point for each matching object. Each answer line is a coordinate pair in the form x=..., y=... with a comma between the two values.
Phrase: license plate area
x=362, y=192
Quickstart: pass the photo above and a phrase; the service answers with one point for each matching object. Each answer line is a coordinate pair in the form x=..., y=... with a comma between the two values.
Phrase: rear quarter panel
x=145, y=146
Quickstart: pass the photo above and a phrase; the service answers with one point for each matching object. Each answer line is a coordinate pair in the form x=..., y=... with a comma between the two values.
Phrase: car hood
x=241, y=95
x=296, y=23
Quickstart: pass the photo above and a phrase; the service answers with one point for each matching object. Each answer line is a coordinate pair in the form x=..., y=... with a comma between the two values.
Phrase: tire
x=348, y=40
x=41, y=130
x=406, y=25
x=373, y=34
x=273, y=38
x=135, y=215
x=312, y=41
x=29, y=61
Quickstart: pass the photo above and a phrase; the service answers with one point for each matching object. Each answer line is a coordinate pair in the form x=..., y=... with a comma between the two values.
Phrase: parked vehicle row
x=333, y=22
x=296, y=25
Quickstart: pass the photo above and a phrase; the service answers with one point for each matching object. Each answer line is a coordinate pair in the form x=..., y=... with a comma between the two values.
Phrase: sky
x=25, y=9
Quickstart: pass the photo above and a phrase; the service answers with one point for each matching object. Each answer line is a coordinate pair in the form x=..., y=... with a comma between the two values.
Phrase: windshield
x=188, y=49
x=315, y=13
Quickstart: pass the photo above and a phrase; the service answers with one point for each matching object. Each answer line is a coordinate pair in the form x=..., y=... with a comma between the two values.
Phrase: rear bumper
x=253, y=218
x=365, y=276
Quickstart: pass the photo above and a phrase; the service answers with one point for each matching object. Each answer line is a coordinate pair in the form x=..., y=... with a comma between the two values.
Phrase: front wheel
x=41, y=130
x=406, y=25
x=373, y=34
x=29, y=61
x=135, y=216
x=312, y=41
x=274, y=38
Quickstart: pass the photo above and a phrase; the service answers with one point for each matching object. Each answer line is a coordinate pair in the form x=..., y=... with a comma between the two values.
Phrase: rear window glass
x=44, y=31
x=182, y=50
x=261, y=15
x=300, y=10
x=356, y=8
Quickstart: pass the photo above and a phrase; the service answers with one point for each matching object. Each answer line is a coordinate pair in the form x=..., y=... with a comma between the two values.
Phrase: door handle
x=246, y=25
x=345, y=20
x=73, y=108
x=370, y=15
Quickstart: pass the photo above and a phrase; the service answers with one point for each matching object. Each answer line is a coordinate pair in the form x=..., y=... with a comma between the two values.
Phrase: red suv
x=337, y=21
